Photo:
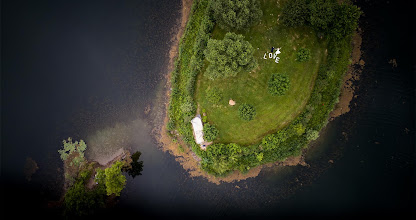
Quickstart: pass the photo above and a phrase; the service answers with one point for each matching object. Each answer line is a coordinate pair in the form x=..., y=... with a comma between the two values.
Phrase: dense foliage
x=246, y=111
x=114, y=179
x=80, y=201
x=278, y=84
x=210, y=132
x=236, y=14
x=325, y=16
x=229, y=56
x=295, y=13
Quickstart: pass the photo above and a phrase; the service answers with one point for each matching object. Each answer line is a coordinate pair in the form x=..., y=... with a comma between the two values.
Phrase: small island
x=90, y=186
x=261, y=76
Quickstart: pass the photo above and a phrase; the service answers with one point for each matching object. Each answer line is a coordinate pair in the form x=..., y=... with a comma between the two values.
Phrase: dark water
x=90, y=69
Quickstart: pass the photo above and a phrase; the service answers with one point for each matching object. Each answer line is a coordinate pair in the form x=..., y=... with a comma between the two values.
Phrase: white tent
x=198, y=130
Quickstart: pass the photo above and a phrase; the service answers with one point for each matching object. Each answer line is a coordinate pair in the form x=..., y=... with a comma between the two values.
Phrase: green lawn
x=273, y=112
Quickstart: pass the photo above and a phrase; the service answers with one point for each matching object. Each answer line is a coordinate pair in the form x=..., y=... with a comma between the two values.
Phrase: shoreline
x=190, y=162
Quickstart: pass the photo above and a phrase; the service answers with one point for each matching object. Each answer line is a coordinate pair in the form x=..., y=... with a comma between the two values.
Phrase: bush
x=213, y=95
x=246, y=112
x=295, y=13
x=312, y=135
x=278, y=84
x=229, y=56
x=210, y=132
x=236, y=14
x=303, y=55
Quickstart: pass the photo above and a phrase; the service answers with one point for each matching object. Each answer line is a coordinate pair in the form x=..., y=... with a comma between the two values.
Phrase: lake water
x=91, y=70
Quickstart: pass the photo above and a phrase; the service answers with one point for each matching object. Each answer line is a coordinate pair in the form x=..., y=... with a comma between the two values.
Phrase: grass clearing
x=273, y=112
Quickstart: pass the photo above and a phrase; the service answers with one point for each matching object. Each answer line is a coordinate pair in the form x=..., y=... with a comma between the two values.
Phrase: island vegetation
x=90, y=186
x=280, y=104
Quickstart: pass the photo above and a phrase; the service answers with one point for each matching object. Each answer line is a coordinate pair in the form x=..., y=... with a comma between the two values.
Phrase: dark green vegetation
x=236, y=15
x=229, y=56
x=86, y=194
x=246, y=112
x=210, y=132
x=278, y=84
x=283, y=125
x=303, y=55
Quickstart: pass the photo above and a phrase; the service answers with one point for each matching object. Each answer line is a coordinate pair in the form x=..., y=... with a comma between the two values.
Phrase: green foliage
x=213, y=95
x=210, y=132
x=312, y=135
x=278, y=84
x=114, y=179
x=80, y=201
x=229, y=56
x=322, y=13
x=246, y=112
x=345, y=21
x=303, y=55
x=188, y=106
x=295, y=13
x=236, y=14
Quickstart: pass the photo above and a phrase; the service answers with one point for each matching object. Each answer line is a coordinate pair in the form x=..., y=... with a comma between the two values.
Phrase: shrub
x=210, y=132
x=303, y=55
x=246, y=112
x=236, y=14
x=229, y=56
x=312, y=135
x=278, y=84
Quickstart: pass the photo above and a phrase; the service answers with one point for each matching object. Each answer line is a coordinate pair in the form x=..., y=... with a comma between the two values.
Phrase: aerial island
x=254, y=81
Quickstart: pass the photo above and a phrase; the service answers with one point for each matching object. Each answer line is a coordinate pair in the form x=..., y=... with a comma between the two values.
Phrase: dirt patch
x=352, y=75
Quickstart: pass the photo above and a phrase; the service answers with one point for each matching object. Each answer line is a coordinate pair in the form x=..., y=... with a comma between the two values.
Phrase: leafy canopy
x=295, y=13
x=114, y=179
x=278, y=84
x=210, y=132
x=246, y=112
x=229, y=56
x=236, y=14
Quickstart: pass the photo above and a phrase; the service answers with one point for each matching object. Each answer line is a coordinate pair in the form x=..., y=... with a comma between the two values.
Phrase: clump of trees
x=325, y=16
x=246, y=112
x=303, y=55
x=236, y=14
x=210, y=132
x=278, y=84
x=229, y=56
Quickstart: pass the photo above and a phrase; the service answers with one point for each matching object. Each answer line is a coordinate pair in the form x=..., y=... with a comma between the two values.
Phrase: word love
x=272, y=55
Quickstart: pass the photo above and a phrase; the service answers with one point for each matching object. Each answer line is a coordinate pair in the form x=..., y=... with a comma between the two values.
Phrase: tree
x=303, y=55
x=345, y=21
x=246, y=112
x=229, y=56
x=210, y=132
x=312, y=135
x=321, y=14
x=114, y=179
x=236, y=14
x=295, y=13
x=278, y=84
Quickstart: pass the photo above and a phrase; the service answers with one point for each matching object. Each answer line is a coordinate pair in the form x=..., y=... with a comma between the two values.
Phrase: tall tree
x=229, y=56
x=236, y=14
x=295, y=13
